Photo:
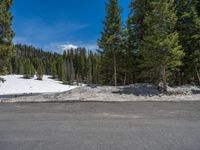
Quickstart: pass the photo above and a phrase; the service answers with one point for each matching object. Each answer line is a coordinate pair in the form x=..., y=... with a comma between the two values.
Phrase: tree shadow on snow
x=196, y=91
x=138, y=90
x=93, y=86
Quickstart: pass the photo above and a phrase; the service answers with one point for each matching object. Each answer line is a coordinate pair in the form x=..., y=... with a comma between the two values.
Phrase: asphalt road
x=100, y=126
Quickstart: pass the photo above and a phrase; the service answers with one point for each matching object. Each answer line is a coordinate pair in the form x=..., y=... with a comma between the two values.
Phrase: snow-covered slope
x=15, y=84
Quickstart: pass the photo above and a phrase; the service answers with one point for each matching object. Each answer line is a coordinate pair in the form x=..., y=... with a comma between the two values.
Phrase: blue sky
x=55, y=24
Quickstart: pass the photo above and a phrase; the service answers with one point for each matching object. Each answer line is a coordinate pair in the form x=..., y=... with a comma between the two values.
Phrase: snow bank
x=136, y=92
x=184, y=90
x=15, y=85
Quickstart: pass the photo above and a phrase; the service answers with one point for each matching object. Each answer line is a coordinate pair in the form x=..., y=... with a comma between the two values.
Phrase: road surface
x=100, y=126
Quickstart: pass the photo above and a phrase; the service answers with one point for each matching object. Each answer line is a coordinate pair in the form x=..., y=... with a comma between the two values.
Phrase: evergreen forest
x=159, y=42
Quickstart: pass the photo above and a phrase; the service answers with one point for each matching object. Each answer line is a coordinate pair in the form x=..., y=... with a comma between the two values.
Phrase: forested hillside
x=159, y=42
x=74, y=65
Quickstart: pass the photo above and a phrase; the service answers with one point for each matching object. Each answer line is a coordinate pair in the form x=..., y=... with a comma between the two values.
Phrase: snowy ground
x=136, y=92
x=16, y=85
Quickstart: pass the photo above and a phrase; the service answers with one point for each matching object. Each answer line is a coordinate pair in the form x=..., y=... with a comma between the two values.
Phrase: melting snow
x=15, y=84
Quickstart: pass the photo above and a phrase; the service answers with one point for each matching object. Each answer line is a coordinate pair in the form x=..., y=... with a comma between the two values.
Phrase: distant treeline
x=75, y=65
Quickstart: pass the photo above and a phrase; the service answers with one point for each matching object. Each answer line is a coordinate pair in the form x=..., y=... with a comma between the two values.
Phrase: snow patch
x=16, y=84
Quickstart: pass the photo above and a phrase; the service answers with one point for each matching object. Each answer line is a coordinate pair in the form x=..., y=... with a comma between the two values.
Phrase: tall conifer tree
x=110, y=42
x=160, y=46
x=136, y=28
x=40, y=71
x=188, y=26
x=6, y=35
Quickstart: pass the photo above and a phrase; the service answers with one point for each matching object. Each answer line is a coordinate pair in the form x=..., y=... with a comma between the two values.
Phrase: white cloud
x=60, y=47
x=66, y=47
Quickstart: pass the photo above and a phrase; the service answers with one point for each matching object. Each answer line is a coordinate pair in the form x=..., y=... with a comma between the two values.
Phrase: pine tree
x=82, y=63
x=188, y=26
x=110, y=42
x=198, y=7
x=160, y=47
x=66, y=70
x=28, y=69
x=32, y=71
x=127, y=66
x=135, y=28
x=13, y=66
x=61, y=73
x=20, y=67
x=53, y=70
x=6, y=35
x=90, y=69
x=72, y=72
x=40, y=72
x=71, y=58
x=96, y=70
x=10, y=68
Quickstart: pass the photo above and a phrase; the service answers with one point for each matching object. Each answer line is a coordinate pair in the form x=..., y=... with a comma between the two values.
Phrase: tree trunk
x=77, y=79
x=164, y=79
x=179, y=78
x=198, y=75
x=125, y=77
x=115, y=69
